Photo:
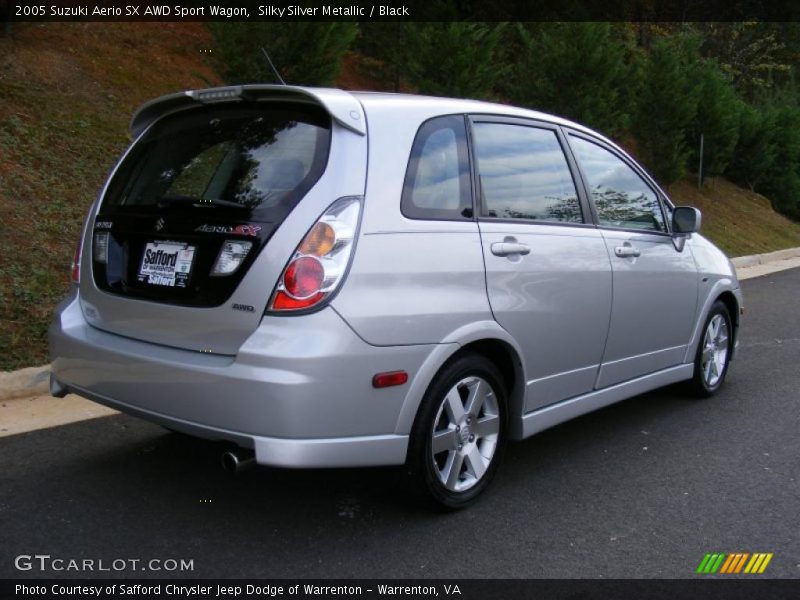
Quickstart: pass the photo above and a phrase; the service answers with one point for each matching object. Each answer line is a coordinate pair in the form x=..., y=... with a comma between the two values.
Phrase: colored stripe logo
x=735, y=563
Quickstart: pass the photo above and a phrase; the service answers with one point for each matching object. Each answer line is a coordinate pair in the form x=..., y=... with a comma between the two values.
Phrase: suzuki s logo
x=160, y=224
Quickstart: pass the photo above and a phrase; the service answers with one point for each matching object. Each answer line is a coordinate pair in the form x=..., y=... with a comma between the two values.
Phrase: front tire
x=714, y=352
x=459, y=433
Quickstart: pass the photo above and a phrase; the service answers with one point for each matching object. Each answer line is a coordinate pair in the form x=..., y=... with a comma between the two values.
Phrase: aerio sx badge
x=251, y=230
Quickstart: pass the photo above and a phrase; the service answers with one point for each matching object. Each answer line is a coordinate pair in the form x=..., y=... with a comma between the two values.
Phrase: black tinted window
x=621, y=196
x=524, y=174
x=258, y=158
x=437, y=182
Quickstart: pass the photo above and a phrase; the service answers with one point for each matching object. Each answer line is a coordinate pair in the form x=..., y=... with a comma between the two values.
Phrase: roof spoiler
x=342, y=106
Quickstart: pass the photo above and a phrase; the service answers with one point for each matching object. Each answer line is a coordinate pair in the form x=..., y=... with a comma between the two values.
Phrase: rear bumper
x=298, y=392
x=359, y=451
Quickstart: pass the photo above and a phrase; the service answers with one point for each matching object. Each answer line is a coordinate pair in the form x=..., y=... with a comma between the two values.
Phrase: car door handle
x=627, y=251
x=510, y=248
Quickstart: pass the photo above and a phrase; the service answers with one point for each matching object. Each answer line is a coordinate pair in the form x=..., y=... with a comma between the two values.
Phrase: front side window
x=437, y=182
x=524, y=174
x=620, y=195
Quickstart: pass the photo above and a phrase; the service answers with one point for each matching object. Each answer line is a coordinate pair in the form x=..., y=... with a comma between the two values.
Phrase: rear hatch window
x=199, y=195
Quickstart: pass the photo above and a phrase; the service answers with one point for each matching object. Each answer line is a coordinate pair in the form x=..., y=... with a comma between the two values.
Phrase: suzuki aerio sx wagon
x=335, y=279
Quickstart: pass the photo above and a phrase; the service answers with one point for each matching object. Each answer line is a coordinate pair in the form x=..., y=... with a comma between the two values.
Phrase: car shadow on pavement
x=119, y=478
x=126, y=457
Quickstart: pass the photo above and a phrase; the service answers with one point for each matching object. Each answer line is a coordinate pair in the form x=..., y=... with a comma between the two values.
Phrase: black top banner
x=410, y=10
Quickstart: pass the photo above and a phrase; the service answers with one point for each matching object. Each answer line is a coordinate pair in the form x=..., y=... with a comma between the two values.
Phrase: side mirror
x=686, y=219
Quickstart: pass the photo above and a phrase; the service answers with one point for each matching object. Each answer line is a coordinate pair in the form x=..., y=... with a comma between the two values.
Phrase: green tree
x=454, y=59
x=385, y=53
x=716, y=119
x=752, y=54
x=387, y=49
x=304, y=52
x=586, y=71
x=667, y=106
x=756, y=149
x=780, y=180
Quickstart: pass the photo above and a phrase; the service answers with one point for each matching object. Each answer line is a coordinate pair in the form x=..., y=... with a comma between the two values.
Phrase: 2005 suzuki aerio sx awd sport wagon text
x=336, y=279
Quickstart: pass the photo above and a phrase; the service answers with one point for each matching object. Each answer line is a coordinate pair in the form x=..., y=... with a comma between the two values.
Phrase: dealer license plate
x=166, y=263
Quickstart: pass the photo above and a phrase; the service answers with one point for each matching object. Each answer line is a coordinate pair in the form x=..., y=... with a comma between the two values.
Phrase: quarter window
x=621, y=196
x=437, y=184
x=524, y=174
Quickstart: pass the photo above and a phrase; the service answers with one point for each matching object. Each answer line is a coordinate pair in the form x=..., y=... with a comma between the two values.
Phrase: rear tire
x=713, y=352
x=459, y=433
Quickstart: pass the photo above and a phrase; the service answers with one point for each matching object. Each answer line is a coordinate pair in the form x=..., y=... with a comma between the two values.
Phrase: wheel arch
x=495, y=344
x=732, y=298
x=734, y=310
x=509, y=363
x=732, y=303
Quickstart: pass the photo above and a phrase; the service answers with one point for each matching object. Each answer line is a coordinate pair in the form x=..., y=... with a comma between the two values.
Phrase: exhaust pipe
x=238, y=460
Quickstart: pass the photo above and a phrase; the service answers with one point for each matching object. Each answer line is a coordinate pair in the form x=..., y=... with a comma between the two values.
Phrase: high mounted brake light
x=318, y=265
x=216, y=94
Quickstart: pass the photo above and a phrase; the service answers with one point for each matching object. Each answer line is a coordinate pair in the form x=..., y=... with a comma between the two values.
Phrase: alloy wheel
x=465, y=434
x=715, y=350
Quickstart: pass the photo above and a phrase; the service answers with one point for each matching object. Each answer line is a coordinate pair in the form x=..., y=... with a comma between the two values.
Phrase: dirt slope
x=67, y=92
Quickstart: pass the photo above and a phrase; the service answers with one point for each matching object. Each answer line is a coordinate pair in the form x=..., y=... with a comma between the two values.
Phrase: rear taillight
x=76, y=261
x=319, y=263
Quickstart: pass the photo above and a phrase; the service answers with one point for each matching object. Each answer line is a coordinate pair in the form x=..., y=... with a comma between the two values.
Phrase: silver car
x=336, y=279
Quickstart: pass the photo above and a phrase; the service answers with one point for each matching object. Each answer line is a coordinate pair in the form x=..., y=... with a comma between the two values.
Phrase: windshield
x=259, y=158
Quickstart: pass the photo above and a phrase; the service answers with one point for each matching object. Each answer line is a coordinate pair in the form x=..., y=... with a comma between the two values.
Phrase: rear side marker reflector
x=392, y=378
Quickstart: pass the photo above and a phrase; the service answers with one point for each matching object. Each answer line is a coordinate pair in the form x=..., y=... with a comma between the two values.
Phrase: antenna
x=274, y=70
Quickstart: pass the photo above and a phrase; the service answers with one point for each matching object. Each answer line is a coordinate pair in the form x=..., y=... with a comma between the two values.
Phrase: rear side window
x=524, y=174
x=257, y=160
x=620, y=195
x=437, y=184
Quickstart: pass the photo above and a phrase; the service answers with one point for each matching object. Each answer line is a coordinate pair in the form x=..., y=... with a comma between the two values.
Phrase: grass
x=67, y=92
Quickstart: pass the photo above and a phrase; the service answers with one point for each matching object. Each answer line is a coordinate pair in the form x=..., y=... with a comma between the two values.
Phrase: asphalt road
x=641, y=489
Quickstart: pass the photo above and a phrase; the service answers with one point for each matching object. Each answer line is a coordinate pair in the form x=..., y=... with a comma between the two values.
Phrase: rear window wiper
x=178, y=199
